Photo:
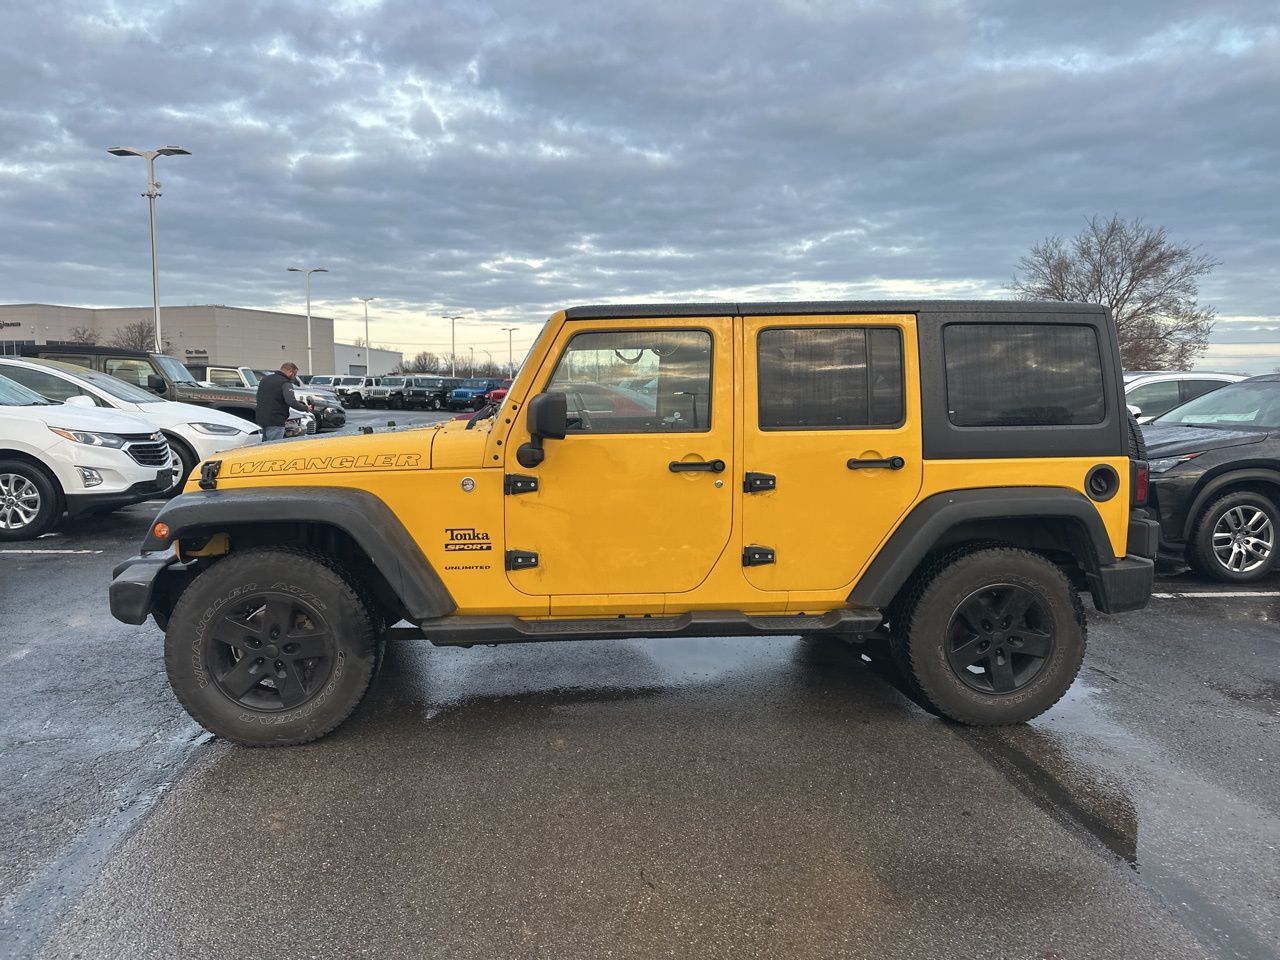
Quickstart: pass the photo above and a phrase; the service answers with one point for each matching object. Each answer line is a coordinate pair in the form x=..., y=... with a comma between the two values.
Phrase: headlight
x=219, y=429
x=1168, y=463
x=92, y=439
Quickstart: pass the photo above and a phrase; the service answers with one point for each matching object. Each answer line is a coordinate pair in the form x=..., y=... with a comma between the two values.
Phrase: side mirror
x=155, y=383
x=1136, y=411
x=79, y=400
x=548, y=418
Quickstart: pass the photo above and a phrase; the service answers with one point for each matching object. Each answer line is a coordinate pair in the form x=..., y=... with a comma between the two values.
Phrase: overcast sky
x=503, y=160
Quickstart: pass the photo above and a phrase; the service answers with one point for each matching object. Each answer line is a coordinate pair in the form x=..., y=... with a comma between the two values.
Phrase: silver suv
x=1150, y=393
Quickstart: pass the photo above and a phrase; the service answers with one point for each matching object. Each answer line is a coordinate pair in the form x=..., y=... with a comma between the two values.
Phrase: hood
x=98, y=420
x=170, y=414
x=1175, y=439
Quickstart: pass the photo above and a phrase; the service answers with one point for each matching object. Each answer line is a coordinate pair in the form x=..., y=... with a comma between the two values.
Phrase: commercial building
x=208, y=333
x=374, y=362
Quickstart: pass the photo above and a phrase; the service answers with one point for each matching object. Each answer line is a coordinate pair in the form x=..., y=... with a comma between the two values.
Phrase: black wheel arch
x=353, y=526
x=1059, y=523
x=1261, y=480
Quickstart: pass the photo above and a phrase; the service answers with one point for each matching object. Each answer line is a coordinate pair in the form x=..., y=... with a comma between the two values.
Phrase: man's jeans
x=272, y=433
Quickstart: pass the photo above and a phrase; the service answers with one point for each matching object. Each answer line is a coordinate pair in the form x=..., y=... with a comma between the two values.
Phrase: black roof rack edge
x=800, y=307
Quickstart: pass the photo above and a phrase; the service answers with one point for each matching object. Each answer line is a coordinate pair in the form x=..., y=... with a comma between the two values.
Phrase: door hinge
x=514, y=483
x=521, y=560
x=759, y=482
x=754, y=556
x=209, y=474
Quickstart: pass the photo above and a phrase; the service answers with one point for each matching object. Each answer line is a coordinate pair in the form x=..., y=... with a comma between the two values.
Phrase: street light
x=511, y=361
x=453, y=343
x=153, y=191
x=309, y=272
x=368, y=362
x=471, y=369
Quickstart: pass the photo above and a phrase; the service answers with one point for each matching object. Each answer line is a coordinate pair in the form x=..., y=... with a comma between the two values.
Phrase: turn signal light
x=1141, y=481
x=161, y=531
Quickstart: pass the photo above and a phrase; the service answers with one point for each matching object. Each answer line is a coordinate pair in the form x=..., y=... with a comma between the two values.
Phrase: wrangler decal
x=319, y=464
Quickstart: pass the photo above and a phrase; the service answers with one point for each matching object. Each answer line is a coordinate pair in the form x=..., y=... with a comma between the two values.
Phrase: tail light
x=1139, y=482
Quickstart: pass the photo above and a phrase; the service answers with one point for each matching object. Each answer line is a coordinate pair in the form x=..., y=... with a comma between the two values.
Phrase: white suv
x=73, y=457
x=1152, y=393
x=195, y=433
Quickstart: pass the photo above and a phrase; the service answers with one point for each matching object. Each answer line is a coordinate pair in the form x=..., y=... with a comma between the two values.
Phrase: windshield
x=321, y=381
x=112, y=386
x=1251, y=405
x=173, y=369
x=16, y=395
x=393, y=381
x=250, y=377
x=473, y=384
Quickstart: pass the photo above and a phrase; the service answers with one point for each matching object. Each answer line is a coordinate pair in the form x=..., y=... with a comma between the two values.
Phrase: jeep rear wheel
x=271, y=647
x=993, y=636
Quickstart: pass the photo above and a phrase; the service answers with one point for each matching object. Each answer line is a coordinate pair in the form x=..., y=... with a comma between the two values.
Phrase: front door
x=638, y=498
x=831, y=446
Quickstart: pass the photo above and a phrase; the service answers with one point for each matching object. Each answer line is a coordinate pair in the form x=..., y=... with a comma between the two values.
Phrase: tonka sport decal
x=466, y=540
x=366, y=461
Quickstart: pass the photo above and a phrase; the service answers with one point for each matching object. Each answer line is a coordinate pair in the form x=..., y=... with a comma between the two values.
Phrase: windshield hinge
x=514, y=483
x=209, y=474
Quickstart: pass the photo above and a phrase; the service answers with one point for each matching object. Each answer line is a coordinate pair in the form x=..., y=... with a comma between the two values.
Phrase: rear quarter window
x=1019, y=375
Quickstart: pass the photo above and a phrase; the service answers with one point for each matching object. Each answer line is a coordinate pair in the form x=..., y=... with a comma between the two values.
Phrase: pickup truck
x=157, y=372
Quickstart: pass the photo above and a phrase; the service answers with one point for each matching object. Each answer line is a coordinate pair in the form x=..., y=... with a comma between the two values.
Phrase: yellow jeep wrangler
x=950, y=475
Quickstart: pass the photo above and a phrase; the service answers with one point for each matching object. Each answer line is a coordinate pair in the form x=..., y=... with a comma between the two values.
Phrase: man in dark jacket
x=275, y=397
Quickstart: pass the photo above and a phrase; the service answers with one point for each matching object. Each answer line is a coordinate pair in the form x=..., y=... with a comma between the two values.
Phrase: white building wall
x=351, y=359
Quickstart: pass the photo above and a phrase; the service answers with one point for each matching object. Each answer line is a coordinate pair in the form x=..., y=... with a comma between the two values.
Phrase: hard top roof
x=800, y=307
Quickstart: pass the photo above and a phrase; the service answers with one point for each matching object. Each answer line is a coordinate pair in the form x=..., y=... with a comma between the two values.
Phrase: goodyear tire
x=993, y=636
x=271, y=647
x=1235, y=538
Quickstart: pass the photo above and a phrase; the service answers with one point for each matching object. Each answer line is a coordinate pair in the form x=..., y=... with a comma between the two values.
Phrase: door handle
x=690, y=466
x=888, y=463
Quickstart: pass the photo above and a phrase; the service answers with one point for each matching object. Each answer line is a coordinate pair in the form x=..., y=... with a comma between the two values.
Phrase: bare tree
x=424, y=362
x=83, y=335
x=139, y=335
x=1150, y=283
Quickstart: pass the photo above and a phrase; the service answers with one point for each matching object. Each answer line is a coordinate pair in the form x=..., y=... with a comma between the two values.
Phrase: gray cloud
x=506, y=159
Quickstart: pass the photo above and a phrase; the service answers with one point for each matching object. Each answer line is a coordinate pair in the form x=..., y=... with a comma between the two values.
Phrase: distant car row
x=407, y=392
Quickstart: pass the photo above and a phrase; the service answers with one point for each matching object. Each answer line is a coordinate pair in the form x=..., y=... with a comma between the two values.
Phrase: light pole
x=453, y=343
x=368, y=362
x=153, y=191
x=309, y=272
x=511, y=360
x=490, y=356
x=471, y=368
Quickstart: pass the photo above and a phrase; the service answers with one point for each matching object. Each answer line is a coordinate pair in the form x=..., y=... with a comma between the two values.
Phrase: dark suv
x=428, y=393
x=1215, y=479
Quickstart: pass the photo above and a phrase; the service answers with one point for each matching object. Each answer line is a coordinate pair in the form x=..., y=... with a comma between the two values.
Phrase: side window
x=1198, y=388
x=636, y=381
x=45, y=384
x=1154, y=399
x=129, y=370
x=829, y=378
x=1023, y=374
x=225, y=378
x=77, y=359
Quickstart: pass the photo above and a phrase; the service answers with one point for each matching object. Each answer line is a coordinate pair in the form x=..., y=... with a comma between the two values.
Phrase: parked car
x=428, y=392
x=389, y=393
x=1215, y=480
x=194, y=433
x=350, y=390
x=469, y=395
x=72, y=457
x=329, y=412
x=1150, y=394
x=954, y=474
x=498, y=393
x=157, y=372
x=319, y=380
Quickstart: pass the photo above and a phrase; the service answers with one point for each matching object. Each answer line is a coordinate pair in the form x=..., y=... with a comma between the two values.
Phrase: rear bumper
x=133, y=585
x=1123, y=585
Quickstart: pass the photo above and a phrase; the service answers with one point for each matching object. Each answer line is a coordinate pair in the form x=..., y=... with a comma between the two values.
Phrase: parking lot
x=692, y=798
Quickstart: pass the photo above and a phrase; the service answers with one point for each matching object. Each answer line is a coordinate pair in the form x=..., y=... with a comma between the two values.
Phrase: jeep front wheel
x=271, y=647
x=994, y=636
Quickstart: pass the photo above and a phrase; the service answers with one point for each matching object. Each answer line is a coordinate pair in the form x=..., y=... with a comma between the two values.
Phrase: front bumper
x=133, y=585
x=79, y=503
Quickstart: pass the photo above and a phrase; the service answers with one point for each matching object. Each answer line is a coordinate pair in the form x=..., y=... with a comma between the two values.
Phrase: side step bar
x=467, y=631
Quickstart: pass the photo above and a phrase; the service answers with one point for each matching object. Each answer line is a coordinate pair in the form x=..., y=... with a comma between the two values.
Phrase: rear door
x=831, y=446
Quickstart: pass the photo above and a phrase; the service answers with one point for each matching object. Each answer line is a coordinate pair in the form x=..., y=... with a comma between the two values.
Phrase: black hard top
x=841, y=307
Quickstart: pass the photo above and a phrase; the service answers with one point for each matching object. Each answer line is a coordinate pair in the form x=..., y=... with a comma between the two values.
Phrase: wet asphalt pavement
x=685, y=798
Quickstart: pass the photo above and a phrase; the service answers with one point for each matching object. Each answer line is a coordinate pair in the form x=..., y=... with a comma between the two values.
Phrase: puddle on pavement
x=1168, y=824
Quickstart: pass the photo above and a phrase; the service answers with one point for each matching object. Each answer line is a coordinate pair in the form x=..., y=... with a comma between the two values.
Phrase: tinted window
x=1249, y=405
x=1198, y=388
x=1156, y=398
x=813, y=378
x=225, y=378
x=1012, y=374
x=130, y=371
x=46, y=384
x=636, y=381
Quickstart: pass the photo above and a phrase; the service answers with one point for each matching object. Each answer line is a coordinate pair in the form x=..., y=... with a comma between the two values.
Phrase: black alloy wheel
x=272, y=652
x=999, y=639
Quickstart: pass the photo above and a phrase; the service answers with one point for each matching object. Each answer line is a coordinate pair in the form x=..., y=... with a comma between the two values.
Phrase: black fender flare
x=370, y=523
x=1211, y=487
x=928, y=523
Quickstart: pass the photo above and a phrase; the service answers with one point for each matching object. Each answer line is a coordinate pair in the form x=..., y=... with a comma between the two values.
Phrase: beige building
x=199, y=334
